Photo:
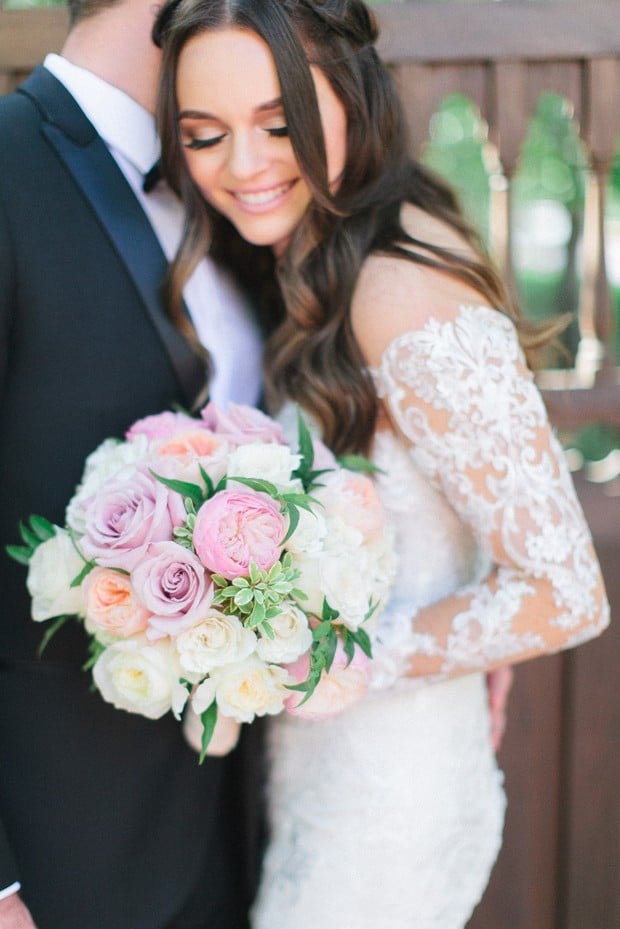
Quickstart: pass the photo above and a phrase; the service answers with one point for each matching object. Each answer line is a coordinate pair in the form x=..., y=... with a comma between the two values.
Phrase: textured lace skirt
x=387, y=817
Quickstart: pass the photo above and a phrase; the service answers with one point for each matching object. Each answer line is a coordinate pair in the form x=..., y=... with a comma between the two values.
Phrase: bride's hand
x=223, y=740
x=499, y=683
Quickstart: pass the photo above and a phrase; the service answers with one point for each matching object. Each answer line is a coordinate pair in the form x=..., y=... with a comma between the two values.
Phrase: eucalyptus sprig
x=258, y=598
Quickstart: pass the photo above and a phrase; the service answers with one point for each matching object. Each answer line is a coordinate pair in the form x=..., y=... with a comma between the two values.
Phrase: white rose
x=140, y=677
x=309, y=534
x=245, y=690
x=292, y=636
x=51, y=570
x=214, y=640
x=107, y=460
x=266, y=461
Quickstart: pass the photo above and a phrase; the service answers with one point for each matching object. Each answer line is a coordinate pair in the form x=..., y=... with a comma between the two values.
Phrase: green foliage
x=33, y=533
x=259, y=597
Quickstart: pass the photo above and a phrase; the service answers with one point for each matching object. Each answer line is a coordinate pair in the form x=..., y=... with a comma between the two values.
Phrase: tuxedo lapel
x=104, y=186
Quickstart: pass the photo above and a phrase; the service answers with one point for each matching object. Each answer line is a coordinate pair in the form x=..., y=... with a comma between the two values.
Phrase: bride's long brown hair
x=311, y=354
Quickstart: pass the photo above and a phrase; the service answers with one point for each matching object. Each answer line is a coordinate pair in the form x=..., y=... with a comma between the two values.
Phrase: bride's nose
x=247, y=156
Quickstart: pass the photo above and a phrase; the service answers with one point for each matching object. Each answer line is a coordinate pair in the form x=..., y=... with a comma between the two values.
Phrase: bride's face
x=234, y=132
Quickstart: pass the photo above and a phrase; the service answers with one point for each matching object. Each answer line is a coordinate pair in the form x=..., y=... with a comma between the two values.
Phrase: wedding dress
x=390, y=815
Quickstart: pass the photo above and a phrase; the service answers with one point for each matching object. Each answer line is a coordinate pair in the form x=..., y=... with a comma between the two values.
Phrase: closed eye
x=197, y=144
x=278, y=132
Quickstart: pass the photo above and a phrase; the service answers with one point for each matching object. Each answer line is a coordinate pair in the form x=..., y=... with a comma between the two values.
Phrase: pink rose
x=236, y=527
x=343, y=686
x=111, y=604
x=122, y=517
x=172, y=584
x=242, y=424
x=162, y=425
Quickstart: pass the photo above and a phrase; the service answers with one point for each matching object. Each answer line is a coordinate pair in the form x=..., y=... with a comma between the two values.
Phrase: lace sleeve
x=462, y=397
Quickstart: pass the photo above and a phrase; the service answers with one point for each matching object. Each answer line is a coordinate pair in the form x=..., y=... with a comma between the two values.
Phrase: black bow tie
x=152, y=178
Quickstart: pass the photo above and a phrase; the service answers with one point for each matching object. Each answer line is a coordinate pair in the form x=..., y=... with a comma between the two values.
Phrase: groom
x=106, y=819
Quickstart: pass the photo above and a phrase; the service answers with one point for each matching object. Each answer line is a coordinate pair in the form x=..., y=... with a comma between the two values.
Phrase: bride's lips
x=258, y=201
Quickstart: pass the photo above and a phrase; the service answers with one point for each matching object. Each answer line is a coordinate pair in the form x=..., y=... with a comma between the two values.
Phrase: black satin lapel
x=110, y=196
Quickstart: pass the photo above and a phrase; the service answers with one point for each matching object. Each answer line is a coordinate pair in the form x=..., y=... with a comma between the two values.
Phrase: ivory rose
x=343, y=686
x=111, y=605
x=237, y=527
x=292, y=636
x=267, y=461
x=53, y=566
x=215, y=639
x=140, y=677
x=244, y=690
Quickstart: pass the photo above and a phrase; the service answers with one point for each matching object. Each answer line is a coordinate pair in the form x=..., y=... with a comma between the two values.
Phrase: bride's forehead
x=228, y=62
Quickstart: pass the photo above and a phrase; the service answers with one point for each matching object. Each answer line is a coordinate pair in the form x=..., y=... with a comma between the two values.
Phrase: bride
x=283, y=135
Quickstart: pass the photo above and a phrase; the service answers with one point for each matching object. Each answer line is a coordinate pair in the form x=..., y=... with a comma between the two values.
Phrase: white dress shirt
x=220, y=314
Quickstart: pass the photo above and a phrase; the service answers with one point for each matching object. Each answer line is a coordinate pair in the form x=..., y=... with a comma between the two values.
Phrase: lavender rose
x=172, y=584
x=123, y=517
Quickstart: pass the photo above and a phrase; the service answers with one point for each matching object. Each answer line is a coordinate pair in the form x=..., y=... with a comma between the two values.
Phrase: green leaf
x=208, y=719
x=88, y=567
x=255, y=483
x=184, y=488
x=56, y=624
x=306, y=447
x=358, y=463
x=349, y=646
x=42, y=527
x=95, y=648
x=28, y=536
x=243, y=597
x=361, y=637
x=208, y=482
x=293, y=521
x=328, y=614
x=19, y=553
x=268, y=630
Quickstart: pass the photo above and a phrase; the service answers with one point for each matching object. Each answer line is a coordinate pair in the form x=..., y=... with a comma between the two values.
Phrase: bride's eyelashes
x=275, y=132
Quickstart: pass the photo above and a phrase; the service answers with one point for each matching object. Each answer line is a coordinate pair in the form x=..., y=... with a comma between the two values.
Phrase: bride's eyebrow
x=202, y=114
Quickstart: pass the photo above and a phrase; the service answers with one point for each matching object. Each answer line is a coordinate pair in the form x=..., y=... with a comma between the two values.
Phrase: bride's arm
x=456, y=387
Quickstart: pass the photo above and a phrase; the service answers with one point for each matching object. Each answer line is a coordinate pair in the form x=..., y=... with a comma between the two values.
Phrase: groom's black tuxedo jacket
x=105, y=817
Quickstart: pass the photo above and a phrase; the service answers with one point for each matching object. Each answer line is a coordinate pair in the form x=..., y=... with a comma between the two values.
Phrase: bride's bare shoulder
x=395, y=295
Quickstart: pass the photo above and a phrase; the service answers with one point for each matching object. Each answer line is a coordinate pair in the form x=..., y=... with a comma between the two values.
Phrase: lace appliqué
x=462, y=396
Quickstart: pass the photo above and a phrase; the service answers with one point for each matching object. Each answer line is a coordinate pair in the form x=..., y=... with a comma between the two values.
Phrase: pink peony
x=122, y=517
x=111, y=604
x=343, y=686
x=237, y=527
x=162, y=425
x=172, y=584
x=242, y=424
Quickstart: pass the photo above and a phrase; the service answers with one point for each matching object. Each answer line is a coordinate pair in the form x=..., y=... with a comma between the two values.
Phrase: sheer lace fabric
x=462, y=397
x=390, y=815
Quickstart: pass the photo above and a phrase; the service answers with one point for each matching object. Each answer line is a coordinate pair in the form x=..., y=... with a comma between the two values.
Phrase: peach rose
x=112, y=605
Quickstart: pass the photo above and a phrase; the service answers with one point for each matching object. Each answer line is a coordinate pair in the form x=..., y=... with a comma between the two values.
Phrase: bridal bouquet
x=214, y=565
